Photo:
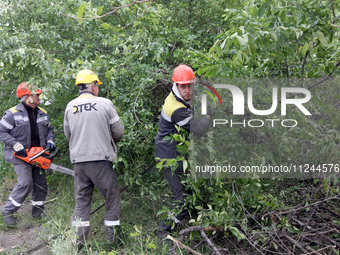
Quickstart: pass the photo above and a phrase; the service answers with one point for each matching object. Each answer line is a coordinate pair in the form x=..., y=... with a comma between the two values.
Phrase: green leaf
x=241, y=40
x=293, y=229
x=81, y=11
x=155, y=21
x=237, y=233
x=151, y=245
x=322, y=39
x=100, y=10
x=185, y=165
x=21, y=51
x=275, y=245
x=305, y=48
x=106, y=25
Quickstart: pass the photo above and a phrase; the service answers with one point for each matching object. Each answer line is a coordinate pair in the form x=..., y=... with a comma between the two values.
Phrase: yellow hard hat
x=86, y=77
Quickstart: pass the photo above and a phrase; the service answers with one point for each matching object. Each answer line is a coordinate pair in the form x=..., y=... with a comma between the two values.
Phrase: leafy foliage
x=275, y=39
x=47, y=43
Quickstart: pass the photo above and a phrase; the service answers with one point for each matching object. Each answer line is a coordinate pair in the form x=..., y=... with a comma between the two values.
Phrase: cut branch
x=296, y=243
x=314, y=252
x=205, y=237
x=180, y=244
x=306, y=206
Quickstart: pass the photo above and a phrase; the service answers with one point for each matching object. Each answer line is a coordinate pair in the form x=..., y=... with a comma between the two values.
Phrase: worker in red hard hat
x=176, y=111
x=24, y=126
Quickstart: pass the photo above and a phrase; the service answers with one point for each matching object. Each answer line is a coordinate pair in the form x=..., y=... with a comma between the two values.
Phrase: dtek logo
x=239, y=102
x=84, y=107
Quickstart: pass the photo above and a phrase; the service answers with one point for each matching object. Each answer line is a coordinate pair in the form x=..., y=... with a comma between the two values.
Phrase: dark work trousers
x=29, y=178
x=165, y=149
x=88, y=175
x=178, y=192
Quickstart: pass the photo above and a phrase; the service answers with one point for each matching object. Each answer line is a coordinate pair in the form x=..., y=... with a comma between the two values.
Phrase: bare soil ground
x=26, y=234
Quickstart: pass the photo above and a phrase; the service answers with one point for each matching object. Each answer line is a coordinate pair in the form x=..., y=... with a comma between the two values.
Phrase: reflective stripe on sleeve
x=110, y=223
x=114, y=120
x=15, y=203
x=166, y=117
x=37, y=202
x=6, y=124
x=183, y=122
x=80, y=224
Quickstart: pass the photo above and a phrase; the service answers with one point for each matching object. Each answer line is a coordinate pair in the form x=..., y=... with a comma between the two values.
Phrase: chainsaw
x=40, y=157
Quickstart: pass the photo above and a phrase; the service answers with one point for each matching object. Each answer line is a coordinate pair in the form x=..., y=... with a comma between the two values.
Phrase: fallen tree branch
x=205, y=237
x=239, y=199
x=180, y=244
x=202, y=230
x=323, y=232
x=312, y=250
x=330, y=209
x=304, y=207
x=296, y=243
x=188, y=230
x=324, y=248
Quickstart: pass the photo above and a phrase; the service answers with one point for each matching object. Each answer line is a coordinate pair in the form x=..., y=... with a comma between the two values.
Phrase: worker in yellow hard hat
x=93, y=127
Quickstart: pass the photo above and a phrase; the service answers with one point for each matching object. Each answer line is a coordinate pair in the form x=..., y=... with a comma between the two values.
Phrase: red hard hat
x=183, y=74
x=22, y=90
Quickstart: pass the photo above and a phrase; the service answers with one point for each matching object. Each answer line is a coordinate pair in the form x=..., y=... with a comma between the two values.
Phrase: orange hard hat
x=183, y=74
x=22, y=90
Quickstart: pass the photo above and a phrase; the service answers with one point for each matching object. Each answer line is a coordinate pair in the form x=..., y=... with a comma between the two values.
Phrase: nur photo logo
x=263, y=128
x=281, y=97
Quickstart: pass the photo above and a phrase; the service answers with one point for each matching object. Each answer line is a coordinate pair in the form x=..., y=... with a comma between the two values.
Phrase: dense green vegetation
x=134, y=49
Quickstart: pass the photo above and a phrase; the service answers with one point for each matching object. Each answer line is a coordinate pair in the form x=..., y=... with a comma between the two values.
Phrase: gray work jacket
x=15, y=127
x=92, y=126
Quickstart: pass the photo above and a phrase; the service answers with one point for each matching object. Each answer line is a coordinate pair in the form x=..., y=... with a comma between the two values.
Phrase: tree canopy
x=133, y=46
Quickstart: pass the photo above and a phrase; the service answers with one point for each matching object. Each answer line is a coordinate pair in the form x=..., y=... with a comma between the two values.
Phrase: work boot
x=115, y=235
x=37, y=211
x=82, y=235
x=8, y=218
x=80, y=245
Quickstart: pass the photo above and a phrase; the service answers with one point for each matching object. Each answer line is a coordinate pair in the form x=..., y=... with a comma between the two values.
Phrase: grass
x=139, y=220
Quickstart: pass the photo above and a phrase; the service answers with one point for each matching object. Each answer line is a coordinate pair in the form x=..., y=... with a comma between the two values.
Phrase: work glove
x=19, y=150
x=50, y=146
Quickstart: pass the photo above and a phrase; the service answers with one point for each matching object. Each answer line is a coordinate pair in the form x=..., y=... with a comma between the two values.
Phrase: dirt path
x=26, y=234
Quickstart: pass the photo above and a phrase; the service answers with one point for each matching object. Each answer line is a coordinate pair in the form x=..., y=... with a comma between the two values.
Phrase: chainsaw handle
x=52, y=155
